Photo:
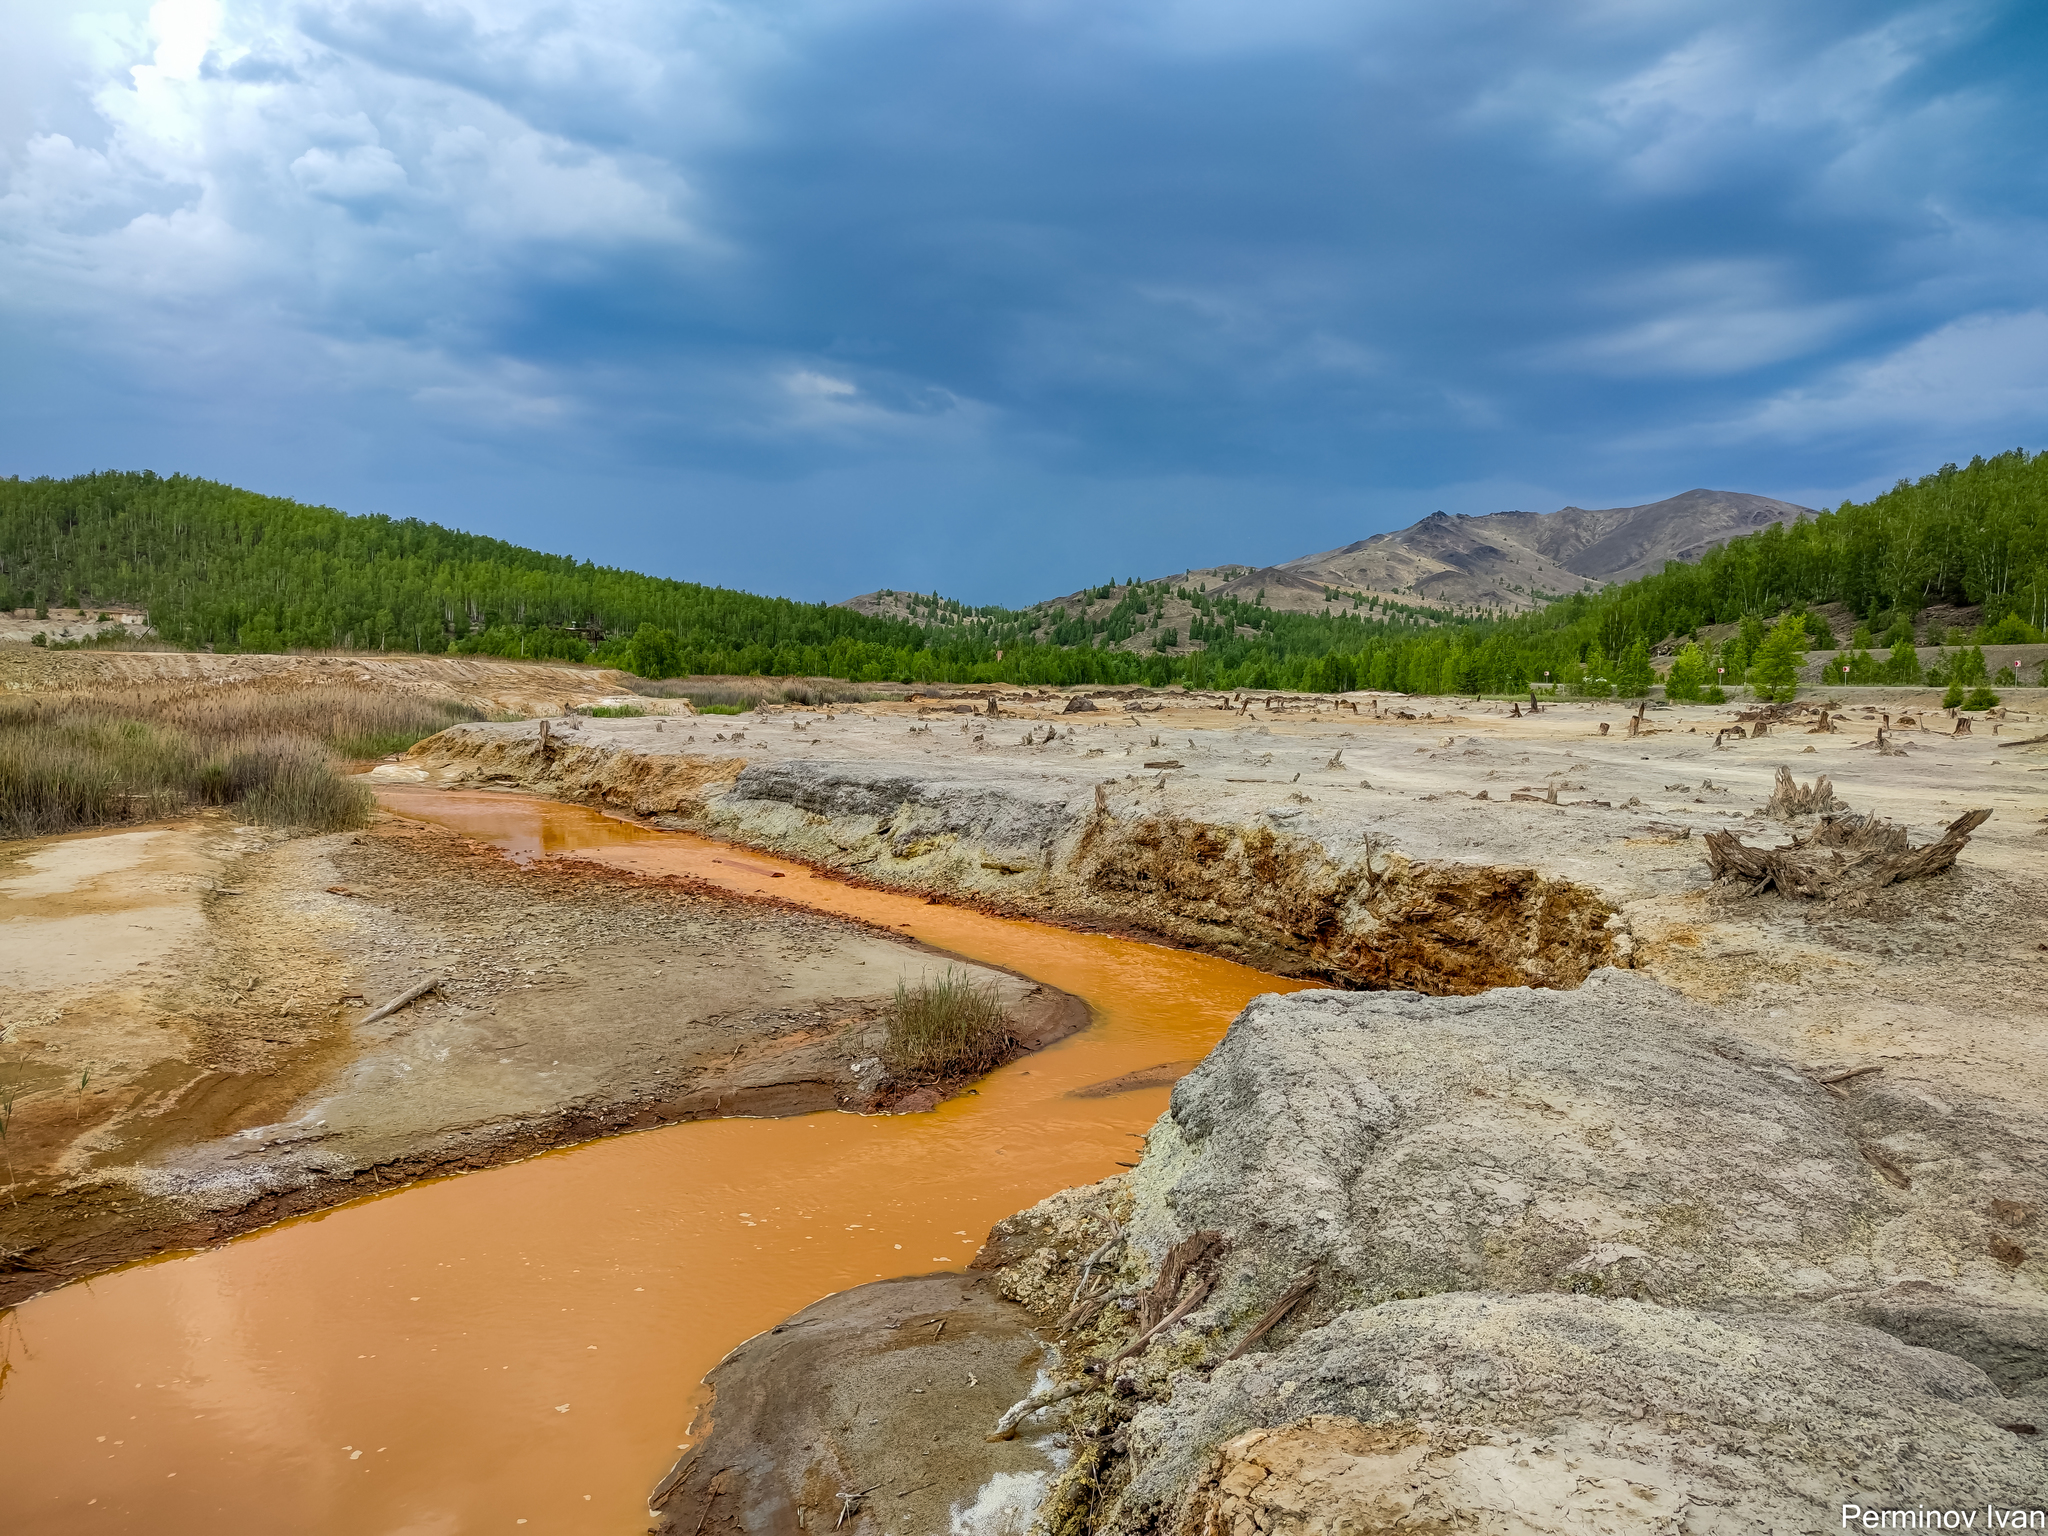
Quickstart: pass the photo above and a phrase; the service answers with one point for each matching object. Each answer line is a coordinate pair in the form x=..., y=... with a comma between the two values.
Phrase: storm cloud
x=821, y=295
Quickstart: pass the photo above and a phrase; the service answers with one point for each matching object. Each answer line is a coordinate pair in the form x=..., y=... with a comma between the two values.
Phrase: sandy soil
x=185, y=1055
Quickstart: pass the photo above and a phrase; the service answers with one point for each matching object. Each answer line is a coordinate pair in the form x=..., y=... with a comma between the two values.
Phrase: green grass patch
x=725, y=709
x=614, y=711
x=946, y=1027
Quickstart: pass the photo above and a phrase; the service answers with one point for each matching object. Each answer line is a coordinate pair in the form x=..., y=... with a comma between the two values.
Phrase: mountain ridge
x=1459, y=564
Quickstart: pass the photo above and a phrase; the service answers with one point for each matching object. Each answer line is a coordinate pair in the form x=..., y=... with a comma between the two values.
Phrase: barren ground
x=1440, y=847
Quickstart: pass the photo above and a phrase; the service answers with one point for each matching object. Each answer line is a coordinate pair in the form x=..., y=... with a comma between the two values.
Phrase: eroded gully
x=519, y=1350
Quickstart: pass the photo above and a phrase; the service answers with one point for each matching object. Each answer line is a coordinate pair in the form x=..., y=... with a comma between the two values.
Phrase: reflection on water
x=518, y=1350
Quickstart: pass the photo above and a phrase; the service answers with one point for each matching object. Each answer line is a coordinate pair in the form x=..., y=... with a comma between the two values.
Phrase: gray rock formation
x=1555, y=1414
x=1607, y=1141
x=881, y=1392
x=1581, y=1262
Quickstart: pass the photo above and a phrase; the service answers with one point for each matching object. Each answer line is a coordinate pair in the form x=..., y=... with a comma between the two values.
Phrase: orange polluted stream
x=519, y=1350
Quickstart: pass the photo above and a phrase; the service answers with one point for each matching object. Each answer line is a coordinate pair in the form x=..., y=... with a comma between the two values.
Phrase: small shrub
x=1981, y=698
x=1953, y=697
x=948, y=1027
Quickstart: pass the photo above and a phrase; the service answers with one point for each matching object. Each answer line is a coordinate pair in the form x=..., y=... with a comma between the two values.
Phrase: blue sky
x=1004, y=296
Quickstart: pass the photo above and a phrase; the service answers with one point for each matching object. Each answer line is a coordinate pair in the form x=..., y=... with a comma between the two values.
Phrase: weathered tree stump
x=1790, y=799
x=1845, y=856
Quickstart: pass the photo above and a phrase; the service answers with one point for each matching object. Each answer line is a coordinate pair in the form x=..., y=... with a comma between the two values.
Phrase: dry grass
x=94, y=759
x=949, y=1027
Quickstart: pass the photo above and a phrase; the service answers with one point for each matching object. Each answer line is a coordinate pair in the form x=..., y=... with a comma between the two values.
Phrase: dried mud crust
x=228, y=1086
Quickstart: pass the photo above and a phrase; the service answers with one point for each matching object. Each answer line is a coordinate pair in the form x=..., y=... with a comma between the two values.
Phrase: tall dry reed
x=273, y=756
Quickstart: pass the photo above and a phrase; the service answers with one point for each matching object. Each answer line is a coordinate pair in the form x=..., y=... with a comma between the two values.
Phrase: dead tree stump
x=1851, y=857
x=1790, y=799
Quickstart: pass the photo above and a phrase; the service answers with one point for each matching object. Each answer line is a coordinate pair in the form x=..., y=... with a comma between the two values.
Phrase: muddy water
x=518, y=1350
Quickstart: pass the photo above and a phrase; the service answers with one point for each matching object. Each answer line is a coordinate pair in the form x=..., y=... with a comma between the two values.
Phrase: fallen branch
x=1289, y=1300
x=1116, y=1235
x=1016, y=1413
x=1194, y=1299
x=849, y=1502
x=404, y=999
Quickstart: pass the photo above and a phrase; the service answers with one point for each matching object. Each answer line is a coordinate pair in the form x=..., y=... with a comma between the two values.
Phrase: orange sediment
x=519, y=1350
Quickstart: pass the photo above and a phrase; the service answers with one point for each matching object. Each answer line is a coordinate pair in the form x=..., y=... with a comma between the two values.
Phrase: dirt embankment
x=488, y=683
x=188, y=1055
x=1282, y=879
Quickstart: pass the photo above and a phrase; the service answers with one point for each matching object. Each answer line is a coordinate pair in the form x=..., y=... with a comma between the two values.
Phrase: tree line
x=221, y=567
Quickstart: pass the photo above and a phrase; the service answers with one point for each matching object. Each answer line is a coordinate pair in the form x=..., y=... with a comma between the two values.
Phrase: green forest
x=228, y=569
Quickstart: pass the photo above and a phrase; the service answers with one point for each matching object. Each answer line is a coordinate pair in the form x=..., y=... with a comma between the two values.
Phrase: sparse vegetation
x=614, y=711
x=100, y=759
x=950, y=1026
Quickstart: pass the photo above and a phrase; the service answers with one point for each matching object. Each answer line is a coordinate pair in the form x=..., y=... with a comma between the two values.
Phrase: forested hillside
x=229, y=569
x=226, y=568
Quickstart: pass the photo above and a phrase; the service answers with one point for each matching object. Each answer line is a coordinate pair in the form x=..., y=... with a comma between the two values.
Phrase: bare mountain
x=1457, y=565
x=1520, y=559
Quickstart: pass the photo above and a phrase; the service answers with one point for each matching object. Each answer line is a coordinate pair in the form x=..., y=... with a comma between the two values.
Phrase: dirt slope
x=488, y=683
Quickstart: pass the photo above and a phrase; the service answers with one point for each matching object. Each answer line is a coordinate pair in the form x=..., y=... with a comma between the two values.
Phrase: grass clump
x=724, y=709
x=273, y=757
x=614, y=711
x=950, y=1026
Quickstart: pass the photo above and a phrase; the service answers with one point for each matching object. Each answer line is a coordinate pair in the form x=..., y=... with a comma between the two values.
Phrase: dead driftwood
x=404, y=999
x=1289, y=1300
x=1017, y=1413
x=1845, y=856
x=1790, y=799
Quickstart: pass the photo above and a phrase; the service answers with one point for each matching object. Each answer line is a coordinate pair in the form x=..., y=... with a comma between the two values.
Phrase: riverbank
x=192, y=1053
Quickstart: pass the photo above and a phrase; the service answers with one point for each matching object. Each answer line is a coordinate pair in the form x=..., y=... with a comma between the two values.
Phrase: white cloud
x=1975, y=380
x=1703, y=319
x=365, y=172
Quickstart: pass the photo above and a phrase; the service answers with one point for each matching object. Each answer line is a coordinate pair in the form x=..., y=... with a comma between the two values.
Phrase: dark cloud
x=986, y=297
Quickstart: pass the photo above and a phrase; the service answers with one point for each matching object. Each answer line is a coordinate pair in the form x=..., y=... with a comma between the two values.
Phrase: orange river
x=518, y=1351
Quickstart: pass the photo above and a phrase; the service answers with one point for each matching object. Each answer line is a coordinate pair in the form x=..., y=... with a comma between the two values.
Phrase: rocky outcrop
x=1535, y=1262
x=856, y=1414
x=1555, y=1414
x=1608, y=1141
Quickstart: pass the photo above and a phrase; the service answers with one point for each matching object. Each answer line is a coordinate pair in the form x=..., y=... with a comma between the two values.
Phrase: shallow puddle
x=519, y=1350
